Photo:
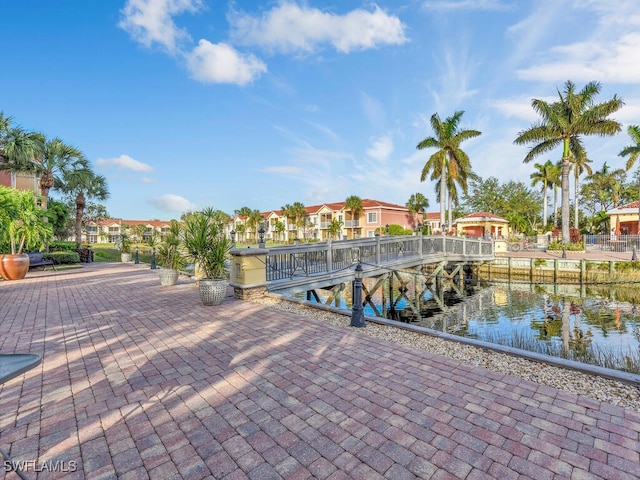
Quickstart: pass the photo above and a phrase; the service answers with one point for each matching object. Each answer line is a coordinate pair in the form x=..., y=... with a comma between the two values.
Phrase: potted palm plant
x=171, y=256
x=22, y=225
x=208, y=248
x=124, y=244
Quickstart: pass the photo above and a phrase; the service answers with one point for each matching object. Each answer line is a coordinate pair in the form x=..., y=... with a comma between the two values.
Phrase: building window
x=340, y=218
x=372, y=217
x=371, y=234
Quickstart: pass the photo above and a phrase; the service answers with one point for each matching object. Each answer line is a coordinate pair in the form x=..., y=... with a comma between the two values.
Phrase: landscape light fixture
x=357, y=311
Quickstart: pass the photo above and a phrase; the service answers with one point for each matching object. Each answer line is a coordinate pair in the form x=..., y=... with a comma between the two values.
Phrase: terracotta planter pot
x=14, y=266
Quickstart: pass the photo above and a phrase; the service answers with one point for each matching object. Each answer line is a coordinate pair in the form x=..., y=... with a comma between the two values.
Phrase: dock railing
x=331, y=256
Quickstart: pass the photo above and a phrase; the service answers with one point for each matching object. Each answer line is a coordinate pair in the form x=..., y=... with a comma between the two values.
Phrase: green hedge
x=62, y=258
x=62, y=246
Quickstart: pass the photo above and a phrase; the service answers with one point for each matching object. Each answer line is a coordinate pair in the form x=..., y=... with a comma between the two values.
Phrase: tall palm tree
x=82, y=184
x=288, y=213
x=56, y=157
x=353, y=203
x=544, y=174
x=450, y=158
x=580, y=165
x=632, y=151
x=300, y=216
x=563, y=123
x=417, y=204
x=556, y=182
x=254, y=219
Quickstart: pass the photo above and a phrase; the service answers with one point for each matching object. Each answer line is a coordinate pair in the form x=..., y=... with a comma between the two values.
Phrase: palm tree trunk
x=576, y=223
x=544, y=207
x=443, y=198
x=566, y=166
x=450, y=210
x=80, y=204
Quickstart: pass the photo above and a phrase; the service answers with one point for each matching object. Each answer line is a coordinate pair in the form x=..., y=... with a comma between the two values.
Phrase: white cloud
x=608, y=53
x=151, y=21
x=124, y=162
x=221, y=63
x=381, y=148
x=291, y=28
x=172, y=203
x=518, y=107
x=456, y=5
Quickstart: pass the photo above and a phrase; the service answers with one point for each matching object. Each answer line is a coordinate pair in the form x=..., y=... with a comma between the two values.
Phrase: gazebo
x=482, y=224
x=624, y=219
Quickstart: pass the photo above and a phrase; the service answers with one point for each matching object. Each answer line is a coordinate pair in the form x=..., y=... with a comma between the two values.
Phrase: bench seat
x=36, y=260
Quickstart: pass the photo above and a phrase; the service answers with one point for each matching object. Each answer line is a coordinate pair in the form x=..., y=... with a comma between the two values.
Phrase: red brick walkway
x=141, y=381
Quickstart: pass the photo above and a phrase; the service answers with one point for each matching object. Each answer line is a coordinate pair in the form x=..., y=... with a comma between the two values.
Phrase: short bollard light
x=89, y=254
x=153, y=260
x=357, y=312
x=564, y=251
x=137, y=258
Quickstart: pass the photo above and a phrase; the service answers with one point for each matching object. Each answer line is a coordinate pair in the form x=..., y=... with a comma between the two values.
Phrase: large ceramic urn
x=14, y=266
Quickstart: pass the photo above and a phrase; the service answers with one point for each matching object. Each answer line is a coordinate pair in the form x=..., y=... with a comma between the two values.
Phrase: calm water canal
x=588, y=325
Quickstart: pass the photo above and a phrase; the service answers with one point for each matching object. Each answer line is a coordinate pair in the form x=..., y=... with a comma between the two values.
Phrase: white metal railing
x=329, y=257
x=611, y=243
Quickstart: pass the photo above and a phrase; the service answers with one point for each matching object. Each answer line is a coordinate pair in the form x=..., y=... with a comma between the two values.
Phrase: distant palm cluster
x=562, y=123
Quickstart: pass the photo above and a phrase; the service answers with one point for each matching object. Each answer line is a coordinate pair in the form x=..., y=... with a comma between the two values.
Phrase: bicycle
x=525, y=245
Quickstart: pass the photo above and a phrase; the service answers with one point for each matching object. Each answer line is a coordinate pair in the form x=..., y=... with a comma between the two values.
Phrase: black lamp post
x=137, y=256
x=261, y=236
x=233, y=237
x=420, y=228
x=386, y=228
x=357, y=311
x=444, y=228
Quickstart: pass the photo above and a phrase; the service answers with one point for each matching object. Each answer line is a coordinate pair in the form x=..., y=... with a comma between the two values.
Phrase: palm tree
x=556, y=182
x=417, y=204
x=288, y=213
x=82, y=184
x=354, y=205
x=18, y=148
x=254, y=219
x=544, y=174
x=563, y=123
x=450, y=158
x=55, y=157
x=300, y=215
x=334, y=228
x=632, y=151
x=580, y=165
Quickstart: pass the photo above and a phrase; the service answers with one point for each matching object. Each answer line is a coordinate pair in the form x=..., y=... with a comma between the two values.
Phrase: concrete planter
x=168, y=276
x=212, y=292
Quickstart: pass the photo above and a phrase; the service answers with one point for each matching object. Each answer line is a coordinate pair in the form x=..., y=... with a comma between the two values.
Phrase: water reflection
x=589, y=325
x=589, y=329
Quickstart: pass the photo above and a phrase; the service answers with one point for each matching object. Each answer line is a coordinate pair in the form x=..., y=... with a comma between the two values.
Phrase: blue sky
x=184, y=104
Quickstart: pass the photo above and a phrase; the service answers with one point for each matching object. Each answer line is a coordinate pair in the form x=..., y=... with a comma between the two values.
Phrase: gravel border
x=593, y=386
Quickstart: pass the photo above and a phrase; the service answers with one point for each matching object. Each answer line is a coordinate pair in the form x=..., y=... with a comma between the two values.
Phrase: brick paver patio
x=141, y=381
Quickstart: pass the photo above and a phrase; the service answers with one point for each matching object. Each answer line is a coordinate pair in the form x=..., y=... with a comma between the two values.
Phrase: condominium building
x=330, y=221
